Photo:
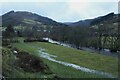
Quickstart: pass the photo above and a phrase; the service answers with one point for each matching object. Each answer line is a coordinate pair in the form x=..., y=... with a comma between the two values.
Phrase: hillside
x=111, y=17
x=30, y=19
x=31, y=25
x=80, y=23
x=26, y=19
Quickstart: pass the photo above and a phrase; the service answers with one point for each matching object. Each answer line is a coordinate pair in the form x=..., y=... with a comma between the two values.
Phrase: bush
x=35, y=40
x=5, y=42
x=113, y=50
x=30, y=63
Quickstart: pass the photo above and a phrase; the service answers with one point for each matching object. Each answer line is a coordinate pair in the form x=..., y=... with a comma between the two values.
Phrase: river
x=92, y=50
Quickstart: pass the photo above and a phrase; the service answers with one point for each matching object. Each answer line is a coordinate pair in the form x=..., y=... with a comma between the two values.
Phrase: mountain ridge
x=89, y=22
x=25, y=17
x=18, y=16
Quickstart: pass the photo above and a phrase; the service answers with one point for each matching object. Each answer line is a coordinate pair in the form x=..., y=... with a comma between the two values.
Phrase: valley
x=78, y=57
x=34, y=46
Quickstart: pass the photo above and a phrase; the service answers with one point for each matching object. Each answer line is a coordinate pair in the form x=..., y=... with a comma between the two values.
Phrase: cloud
x=59, y=0
x=86, y=10
x=66, y=11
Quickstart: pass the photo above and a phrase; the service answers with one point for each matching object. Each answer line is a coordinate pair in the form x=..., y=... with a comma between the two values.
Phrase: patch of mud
x=51, y=58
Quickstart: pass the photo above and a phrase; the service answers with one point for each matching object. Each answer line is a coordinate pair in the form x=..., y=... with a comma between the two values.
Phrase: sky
x=62, y=10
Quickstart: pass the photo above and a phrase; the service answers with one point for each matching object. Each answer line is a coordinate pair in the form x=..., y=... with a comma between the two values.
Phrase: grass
x=91, y=60
x=28, y=21
x=10, y=70
x=0, y=62
x=20, y=39
x=68, y=72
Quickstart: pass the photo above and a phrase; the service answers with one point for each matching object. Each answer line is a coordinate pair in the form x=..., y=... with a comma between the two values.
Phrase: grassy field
x=90, y=60
x=0, y=62
x=11, y=70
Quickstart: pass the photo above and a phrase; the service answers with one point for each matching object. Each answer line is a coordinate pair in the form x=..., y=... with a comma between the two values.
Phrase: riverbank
x=92, y=50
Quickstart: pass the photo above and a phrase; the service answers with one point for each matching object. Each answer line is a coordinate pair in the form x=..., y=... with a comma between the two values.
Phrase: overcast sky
x=62, y=11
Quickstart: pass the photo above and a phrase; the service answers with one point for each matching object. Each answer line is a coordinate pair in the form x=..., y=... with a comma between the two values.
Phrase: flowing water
x=52, y=58
x=104, y=51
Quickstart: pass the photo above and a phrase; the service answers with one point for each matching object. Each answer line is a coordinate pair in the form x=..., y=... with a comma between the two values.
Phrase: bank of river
x=104, y=51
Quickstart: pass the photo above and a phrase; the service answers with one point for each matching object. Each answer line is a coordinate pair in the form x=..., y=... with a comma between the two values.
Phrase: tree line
x=98, y=36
